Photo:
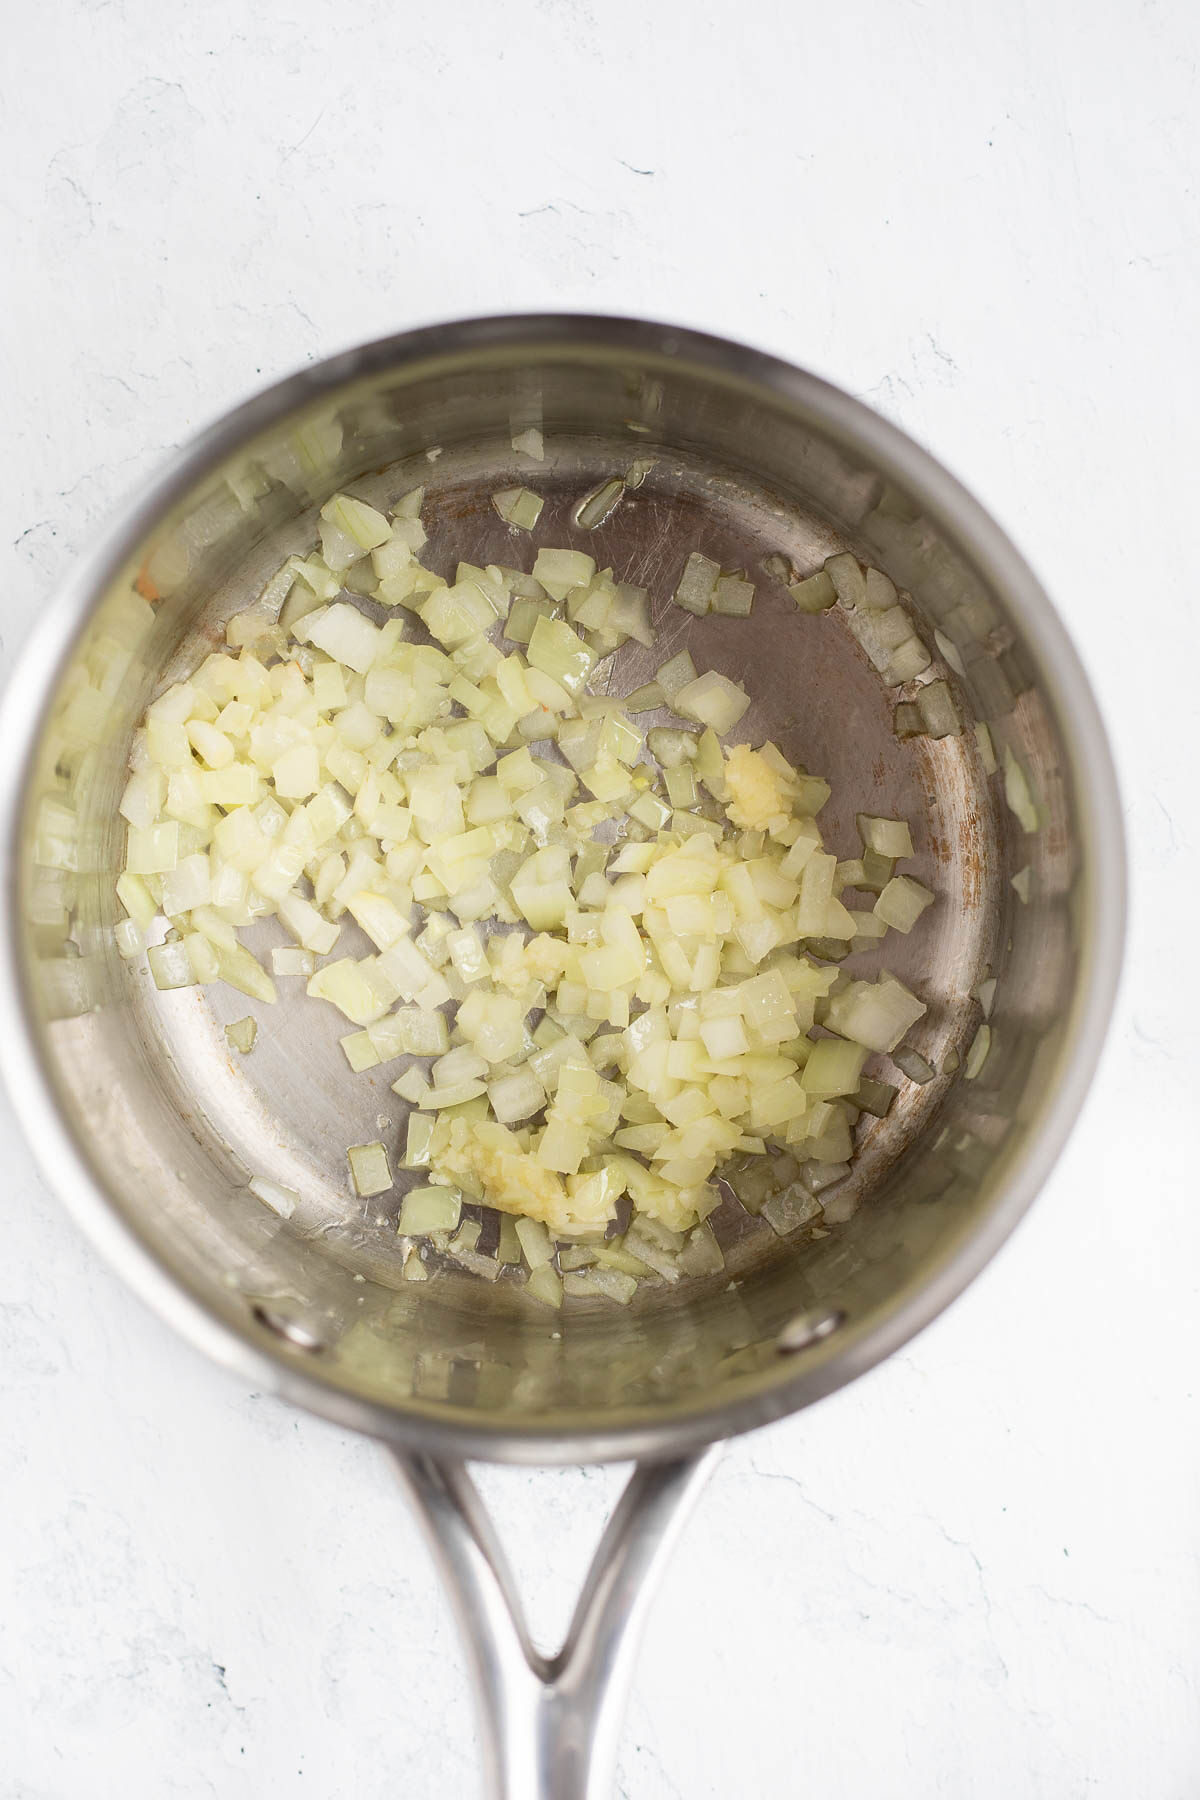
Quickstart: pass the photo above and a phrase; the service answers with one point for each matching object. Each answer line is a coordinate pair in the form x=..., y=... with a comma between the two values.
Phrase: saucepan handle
x=550, y=1725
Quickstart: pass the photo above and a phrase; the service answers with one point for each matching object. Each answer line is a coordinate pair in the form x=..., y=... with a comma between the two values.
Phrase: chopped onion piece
x=419, y=1142
x=848, y=577
x=874, y=1096
x=170, y=966
x=877, y=1014
x=425, y=1209
x=545, y=1284
x=560, y=653
x=517, y=1096
x=130, y=938
x=241, y=1034
x=695, y=590
x=977, y=1055
x=834, y=1067
x=671, y=748
x=518, y=506
x=561, y=570
x=985, y=992
x=152, y=850
x=908, y=660
x=599, y=504
x=281, y=1200
x=711, y=700
x=288, y=959
x=608, y=1282
x=987, y=753
x=907, y=721
x=886, y=837
x=369, y=1169
x=791, y=1208
x=529, y=443
x=1018, y=793
x=345, y=635
x=902, y=902
x=880, y=590
x=950, y=654
x=676, y=675
x=940, y=717
x=911, y=1063
x=137, y=900
x=815, y=594
x=818, y=1176
x=358, y=521
x=733, y=596
x=409, y=505
x=359, y=1051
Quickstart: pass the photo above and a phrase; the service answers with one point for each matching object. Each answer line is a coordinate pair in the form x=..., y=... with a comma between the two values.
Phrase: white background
x=975, y=1573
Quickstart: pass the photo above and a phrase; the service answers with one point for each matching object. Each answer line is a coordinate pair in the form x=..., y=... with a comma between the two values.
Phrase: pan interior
x=174, y=1123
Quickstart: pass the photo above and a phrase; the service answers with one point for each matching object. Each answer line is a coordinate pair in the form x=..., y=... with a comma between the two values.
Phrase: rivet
x=293, y=1331
x=808, y=1328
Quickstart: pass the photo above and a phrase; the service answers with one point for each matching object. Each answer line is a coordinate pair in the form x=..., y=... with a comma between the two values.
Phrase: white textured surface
x=974, y=1574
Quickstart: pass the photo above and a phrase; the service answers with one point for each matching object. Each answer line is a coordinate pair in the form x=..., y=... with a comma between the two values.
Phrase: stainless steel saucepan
x=151, y=1131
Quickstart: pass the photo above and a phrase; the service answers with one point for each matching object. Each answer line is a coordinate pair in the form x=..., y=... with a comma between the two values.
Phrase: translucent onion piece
x=940, y=717
x=281, y=1200
x=816, y=593
x=695, y=590
x=518, y=506
x=977, y=1055
x=369, y=1169
x=599, y=504
x=241, y=1034
x=1018, y=792
x=911, y=1063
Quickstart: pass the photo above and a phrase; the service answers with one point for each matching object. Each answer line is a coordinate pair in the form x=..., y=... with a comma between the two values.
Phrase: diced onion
x=281, y=1200
x=346, y=775
x=734, y=596
x=815, y=594
x=711, y=700
x=518, y=506
x=170, y=966
x=638, y=470
x=369, y=1169
x=676, y=675
x=940, y=717
x=695, y=590
x=902, y=902
x=848, y=577
x=791, y=1208
x=241, y=1034
x=985, y=992
x=977, y=1055
x=545, y=1284
x=599, y=504
x=877, y=1014
x=529, y=443
x=426, y=1209
x=1018, y=792
x=874, y=1096
x=910, y=1062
